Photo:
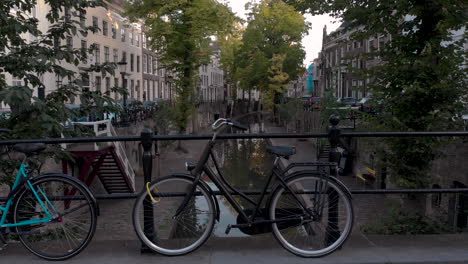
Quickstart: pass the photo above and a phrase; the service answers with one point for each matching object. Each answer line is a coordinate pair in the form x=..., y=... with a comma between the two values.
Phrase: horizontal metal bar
x=120, y=196
x=235, y=136
x=70, y=140
x=406, y=134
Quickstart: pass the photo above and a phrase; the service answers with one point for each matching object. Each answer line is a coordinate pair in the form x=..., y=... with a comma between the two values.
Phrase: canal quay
x=245, y=163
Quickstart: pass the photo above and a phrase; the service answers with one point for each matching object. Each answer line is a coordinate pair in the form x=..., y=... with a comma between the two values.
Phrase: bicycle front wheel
x=166, y=234
x=323, y=213
x=73, y=217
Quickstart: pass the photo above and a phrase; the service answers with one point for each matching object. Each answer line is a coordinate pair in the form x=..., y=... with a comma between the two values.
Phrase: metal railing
x=334, y=134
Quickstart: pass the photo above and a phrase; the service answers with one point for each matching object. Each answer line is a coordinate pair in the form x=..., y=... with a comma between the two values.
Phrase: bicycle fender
x=86, y=188
x=331, y=178
x=308, y=172
x=204, y=184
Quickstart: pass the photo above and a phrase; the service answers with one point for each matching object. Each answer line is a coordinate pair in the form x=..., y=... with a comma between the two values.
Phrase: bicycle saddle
x=29, y=148
x=282, y=151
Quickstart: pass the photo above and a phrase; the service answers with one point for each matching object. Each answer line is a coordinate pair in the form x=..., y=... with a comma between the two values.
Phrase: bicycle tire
x=305, y=238
x=65, y=236
x=182, y=235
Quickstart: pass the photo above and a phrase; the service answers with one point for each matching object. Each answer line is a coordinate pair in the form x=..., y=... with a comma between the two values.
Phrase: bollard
x=334, y=156
x=147, y=143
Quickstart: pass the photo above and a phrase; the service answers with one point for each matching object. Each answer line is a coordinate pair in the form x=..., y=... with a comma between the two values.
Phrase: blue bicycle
x=53, y=215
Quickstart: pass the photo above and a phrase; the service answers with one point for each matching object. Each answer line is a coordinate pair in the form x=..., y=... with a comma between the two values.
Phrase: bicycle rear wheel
x=168, y=235
x=73, y=220
x=326, y=225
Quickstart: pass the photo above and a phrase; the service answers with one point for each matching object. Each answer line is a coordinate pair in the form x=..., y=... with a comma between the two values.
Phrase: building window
x=122, y=33
x=17, y=82
x=82, y=16
x=84, y=51
x=130, y=37
x=155, y=67
x=137, y=37
x=105, y=28
x=116, y=55
x=138, y=89
x=143, y=39
x=361, y=83
x=154, y=90
x=144, y=63
x=145, y=88
x=116, y=85
x=381, y=43
x=108, y=86
x=124, y=56
x=95, y=23
x=132, y=89
x=132, y=61
x=85, y=80
x=98, y=84
x=114, y=31
x=106, y=54
x=97, y=53
x=371, y=45
x=70, y=42
x=41, y=93
x=150, y=64
x=354, y=83
x=138, y=63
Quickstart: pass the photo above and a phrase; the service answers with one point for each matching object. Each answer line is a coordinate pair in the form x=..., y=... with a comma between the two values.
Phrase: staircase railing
x=122, y=155
x=105, y=128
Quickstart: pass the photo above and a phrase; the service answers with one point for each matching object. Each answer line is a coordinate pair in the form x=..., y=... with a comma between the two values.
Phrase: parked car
x=366, y=105
x=347, y=101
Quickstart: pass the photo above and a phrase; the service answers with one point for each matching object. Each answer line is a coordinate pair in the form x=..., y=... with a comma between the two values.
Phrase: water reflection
x=246, y=165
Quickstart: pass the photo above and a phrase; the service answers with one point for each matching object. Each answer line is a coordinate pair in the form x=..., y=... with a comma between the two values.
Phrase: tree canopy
x=422, y=79
x=29, y=54
x=181, y=31
x=271, y=53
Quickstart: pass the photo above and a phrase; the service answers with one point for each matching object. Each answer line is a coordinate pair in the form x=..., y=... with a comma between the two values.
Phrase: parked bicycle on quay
x=309, y=211
x=53, y=215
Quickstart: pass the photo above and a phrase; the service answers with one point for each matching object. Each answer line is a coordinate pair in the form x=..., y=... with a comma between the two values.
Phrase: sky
x=312, y=42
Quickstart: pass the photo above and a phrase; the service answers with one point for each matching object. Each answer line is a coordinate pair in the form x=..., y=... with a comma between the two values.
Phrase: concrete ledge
x=264, y=249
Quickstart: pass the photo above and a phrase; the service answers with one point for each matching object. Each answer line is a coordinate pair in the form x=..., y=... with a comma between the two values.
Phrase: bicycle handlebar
x=238, y=126
x=223, y=121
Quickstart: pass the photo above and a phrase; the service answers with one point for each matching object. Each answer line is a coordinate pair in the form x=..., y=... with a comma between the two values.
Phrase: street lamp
x=123, y=69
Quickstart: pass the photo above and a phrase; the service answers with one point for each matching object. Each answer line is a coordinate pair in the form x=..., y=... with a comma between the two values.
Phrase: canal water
x=246, y=165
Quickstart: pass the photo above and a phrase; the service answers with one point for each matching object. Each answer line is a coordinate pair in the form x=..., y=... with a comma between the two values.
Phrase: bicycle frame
x=23, y=178
x=223, y=186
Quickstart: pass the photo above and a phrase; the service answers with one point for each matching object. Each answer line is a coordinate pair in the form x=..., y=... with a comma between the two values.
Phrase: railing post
x=334, y=156
x=148, y=220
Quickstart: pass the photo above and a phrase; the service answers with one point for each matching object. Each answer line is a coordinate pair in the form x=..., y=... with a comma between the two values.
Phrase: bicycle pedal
x=228, y=229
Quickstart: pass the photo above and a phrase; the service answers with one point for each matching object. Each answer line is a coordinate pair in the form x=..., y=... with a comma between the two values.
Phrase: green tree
x=421, y=82
x=30, y=54
x=230, y=47
x=271, y=52
x=181, y=31
x=44, y=54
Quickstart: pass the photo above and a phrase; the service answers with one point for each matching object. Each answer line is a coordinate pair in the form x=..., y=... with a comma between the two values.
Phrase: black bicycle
x=309, y=211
